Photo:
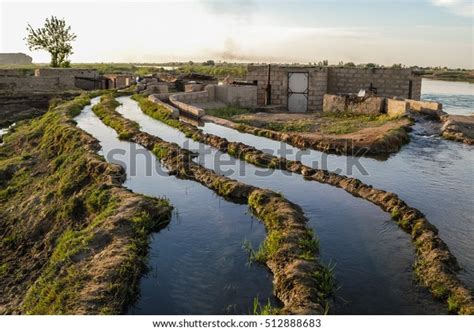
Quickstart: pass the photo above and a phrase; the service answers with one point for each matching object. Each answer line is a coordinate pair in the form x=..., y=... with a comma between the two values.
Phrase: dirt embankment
x=458, y=128
x=435, y=266
x=17, y=107
x=72, y=240
x=289, y=250
x=377, y=142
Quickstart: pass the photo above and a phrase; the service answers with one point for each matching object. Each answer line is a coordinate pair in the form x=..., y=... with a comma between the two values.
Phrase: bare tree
x=54, y=37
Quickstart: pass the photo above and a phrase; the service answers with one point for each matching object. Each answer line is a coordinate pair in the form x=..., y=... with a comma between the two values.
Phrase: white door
x=298, y=92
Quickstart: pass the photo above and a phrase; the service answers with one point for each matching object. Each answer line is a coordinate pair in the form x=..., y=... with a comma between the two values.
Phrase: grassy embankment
x=289, y=250
x=73, y=241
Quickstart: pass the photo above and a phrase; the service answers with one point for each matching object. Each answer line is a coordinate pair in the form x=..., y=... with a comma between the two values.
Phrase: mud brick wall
x=389, y=82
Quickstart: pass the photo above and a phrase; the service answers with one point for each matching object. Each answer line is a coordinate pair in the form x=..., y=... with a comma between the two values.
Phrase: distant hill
x=15, y=58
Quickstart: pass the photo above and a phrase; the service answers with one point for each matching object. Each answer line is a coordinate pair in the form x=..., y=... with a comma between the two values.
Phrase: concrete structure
x=302, y=88
x=237, y=95
x=50, y=80
x=373, y=105
x=195, y=103
x=193, y=87
x=396, y=108
x=118, y=80
x=173, y=111
x=370, y=105
x=15, y=58
x=60, y=79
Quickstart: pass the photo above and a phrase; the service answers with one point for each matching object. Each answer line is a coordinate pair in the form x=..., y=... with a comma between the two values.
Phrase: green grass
x=325, y=279
x=344, y=123
x=218, y=70
x=267, y=249
x=453, y=304
x=227, y=112
x=309, y=246
x=55, y=185
x=266, y=309
x=290, y=126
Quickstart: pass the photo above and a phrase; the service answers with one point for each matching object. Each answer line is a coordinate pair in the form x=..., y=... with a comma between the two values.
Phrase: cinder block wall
x=390, y=82
x=279, y=82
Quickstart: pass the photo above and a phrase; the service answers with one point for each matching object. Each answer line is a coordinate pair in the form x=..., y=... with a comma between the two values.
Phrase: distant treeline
x=239, y=70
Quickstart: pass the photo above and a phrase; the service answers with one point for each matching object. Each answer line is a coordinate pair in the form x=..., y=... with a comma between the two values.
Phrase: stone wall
x=389, y=82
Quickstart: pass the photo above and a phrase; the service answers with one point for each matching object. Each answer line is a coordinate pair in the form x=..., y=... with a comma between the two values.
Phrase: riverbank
x=74, y=241
x=435, y=267
x=458, y=128
x=290, y=250
x=20, y=106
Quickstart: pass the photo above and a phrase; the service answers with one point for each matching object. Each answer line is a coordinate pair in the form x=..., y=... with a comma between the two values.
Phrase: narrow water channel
x=198, y=264
x=431, y=174
x=372, y=256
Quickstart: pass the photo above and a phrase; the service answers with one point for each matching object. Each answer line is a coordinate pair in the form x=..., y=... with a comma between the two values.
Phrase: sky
x=411, y=32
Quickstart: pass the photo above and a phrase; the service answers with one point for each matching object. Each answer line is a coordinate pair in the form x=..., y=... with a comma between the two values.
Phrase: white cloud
x=458, y=7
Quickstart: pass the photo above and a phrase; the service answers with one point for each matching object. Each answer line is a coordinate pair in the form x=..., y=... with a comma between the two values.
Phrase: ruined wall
x=46, y=80
x=389, y=82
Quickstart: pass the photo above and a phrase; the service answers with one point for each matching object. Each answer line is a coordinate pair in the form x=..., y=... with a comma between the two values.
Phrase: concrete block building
x=302, y=88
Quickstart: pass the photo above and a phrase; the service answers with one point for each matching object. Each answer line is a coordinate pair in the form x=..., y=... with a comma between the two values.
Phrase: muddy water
x=198, y=265
x=372, y=256
x=430, y=173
